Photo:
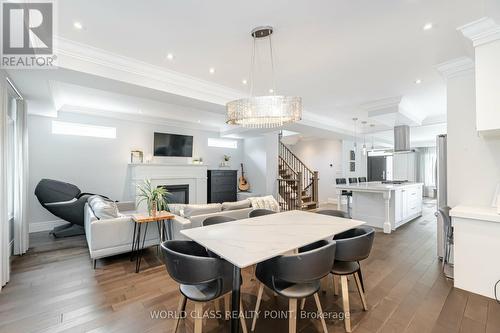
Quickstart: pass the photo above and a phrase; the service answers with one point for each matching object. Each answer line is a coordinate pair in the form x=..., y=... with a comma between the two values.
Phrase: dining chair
x=296, y=277
x=353, y=180
x=260, y=212
x=216, y=220
x=352, y=246
x=201, y=278
x=333, y=212
x=361, y=179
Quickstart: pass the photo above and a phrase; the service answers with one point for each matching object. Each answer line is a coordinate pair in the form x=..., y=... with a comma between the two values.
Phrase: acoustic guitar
x=243, y=184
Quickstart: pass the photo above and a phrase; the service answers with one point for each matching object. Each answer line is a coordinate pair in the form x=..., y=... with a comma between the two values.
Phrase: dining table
x=249, y=241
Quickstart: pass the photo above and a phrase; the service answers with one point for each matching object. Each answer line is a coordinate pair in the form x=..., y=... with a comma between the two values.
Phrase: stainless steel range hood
x=402, y=139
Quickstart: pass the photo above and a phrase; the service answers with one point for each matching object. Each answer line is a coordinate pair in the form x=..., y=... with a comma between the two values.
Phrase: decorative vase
x=154, y=208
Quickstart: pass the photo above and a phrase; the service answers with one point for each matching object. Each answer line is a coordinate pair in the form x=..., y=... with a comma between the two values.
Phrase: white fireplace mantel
x=194, y=175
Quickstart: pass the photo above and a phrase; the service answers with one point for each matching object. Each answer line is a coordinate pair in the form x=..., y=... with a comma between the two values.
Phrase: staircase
x=297, y=184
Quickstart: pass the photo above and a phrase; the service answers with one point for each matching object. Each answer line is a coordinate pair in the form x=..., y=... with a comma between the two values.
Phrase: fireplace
x=178, y=193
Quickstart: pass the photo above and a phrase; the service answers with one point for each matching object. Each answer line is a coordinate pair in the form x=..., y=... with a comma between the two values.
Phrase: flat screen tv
x=173, y=145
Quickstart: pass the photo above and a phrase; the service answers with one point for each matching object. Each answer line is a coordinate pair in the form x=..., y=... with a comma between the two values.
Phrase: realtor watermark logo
x=27, y=35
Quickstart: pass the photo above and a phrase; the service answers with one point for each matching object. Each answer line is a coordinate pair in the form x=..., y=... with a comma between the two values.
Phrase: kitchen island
x=385, y=206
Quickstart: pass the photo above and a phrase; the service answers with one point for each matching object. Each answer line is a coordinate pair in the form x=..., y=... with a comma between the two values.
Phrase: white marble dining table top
x=249, y=241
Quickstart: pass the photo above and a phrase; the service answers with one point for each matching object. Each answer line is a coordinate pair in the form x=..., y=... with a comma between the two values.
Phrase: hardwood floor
x=53, y=288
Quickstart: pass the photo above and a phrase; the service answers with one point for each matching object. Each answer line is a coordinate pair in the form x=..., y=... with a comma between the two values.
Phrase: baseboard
x=331, y=201
x=45, y=225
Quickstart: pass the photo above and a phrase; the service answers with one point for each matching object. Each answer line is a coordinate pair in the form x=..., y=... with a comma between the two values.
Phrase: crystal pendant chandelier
x=364, y=137
x=263, y=111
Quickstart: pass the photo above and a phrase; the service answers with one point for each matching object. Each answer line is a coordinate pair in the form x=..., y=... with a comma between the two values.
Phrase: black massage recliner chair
x=66, y=201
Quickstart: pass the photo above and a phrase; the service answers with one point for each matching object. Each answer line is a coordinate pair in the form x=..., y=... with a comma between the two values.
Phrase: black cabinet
x=221, y=186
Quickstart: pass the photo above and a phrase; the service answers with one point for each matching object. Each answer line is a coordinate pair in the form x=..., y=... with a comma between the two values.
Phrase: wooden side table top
x=144, y=218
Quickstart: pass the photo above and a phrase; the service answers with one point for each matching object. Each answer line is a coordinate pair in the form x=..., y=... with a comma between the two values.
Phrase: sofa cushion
x=267, y=202
x=193, y=210
x=242, y=204
x=103, y=208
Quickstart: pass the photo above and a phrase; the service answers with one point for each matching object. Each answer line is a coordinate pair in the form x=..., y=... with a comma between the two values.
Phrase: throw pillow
x=176, y=209
x=242, y=204
x=267, y=202
x=193, y=210
x=103, y=208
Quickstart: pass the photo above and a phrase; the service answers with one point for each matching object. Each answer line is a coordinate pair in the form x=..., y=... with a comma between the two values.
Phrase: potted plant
x=155, y=197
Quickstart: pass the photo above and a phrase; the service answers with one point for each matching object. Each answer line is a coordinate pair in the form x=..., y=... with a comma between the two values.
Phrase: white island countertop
x=483, y=213
x=376, y=186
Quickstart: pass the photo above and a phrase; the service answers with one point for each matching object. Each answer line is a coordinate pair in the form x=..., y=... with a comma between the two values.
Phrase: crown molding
x=456, y=67
x=138, y=118
x=88, y=59
x=482, y=31
x=382, y=104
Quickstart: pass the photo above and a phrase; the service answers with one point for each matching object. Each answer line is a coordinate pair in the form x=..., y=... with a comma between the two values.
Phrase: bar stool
x=333, y=212
x=361, y=179
x=353, y=180
x=348, y=194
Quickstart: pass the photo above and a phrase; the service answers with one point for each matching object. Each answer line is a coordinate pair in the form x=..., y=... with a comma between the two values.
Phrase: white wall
x=261, y=163
x=255, y=164
x=473, y=161
x=100, y=165
x=361, y=160
x=324, y=156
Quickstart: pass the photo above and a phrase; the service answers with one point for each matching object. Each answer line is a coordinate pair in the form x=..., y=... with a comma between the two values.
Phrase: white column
x=387, y=208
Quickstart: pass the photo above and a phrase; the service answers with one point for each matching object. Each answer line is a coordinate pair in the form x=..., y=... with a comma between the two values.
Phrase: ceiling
x=338, y=55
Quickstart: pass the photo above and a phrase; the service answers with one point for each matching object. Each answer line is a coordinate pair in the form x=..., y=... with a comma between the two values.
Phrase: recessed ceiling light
x=170, y=56
x=244, y=81
x=199, y=121
x=77, y=25
x=418, y=81
x=427, y=26
x=271, y=91
x=211, y=70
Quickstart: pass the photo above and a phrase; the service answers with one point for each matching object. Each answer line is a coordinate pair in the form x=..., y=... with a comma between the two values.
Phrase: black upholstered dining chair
x=201, y=278
x=361, y=179
x=260, y=212
x=217, y=219
x=333, y=212
x=296, y=277
x=352, y=246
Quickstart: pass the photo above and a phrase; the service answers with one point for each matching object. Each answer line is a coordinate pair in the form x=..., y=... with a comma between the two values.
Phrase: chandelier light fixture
x=264, y=111
x=373, y=146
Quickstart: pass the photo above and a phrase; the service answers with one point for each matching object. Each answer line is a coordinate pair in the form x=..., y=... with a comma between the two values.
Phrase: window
x=222, y=143
x=61, y=127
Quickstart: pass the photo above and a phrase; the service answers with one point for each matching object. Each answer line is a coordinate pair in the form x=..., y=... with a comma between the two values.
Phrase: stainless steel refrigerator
x=444, y=229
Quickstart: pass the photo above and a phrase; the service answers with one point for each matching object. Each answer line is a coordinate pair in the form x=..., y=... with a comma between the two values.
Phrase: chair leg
x=302, y=303
x=320, y=311
x=257, y=306
x=345, y=301
x=335, y=281
x=361, y=277
x=217, y=305
x=180, y=308
x=198, y=320
x=360, y=290
x=242, y=319
x=227, y=305
x=324, y=284
x=292, y=321
x=94, y=262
